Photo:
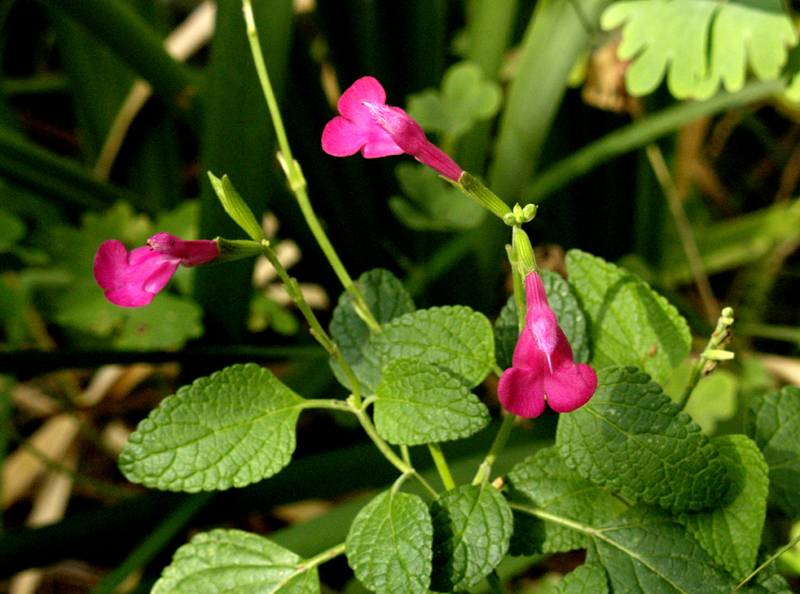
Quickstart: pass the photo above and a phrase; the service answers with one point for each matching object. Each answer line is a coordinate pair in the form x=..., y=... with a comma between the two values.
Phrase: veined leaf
x=546, y=481
x=417, y=403
x=453, y=337
x=700, y=44
x=472, y=528
x=731, y=533
x=629, y=323
x=389, y=546
x=230, y=429
x=646, y=551
x=631, y=438
x=386, y=298
x=775, y=427
x=235, y=561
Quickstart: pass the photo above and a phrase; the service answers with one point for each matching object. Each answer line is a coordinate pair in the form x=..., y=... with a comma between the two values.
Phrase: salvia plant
x=658, y=506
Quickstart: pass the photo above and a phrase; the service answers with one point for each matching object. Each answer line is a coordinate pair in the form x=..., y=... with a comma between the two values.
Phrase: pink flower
x=542, y=366
x=379, y=130
x=133, y=279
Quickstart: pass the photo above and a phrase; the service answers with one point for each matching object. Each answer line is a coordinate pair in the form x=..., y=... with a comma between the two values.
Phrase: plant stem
x=441, y=466
x=497, y=446
x=324, y=556
x=387, y=451
x=297, y=181
x=316, y=329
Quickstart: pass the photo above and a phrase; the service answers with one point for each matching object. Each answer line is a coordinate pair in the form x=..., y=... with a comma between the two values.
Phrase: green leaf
x=389, y=546
x=545, y=481
x=430, y=203
x=700, y=44
x=466, y=98
x=631, y=438
x=775, y=427
x=731, y=532
x=629, y=323
x=472, y=528
x=386, y=298
x=589, y=578
x=563, y=302
x=234, y=561
x=646, y=551
x=453, y=337
x=230, y=429
x=417, y=403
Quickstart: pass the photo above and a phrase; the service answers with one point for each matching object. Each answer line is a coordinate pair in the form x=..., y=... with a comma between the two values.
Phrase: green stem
x=499, y=443
x=153, y=544
x=441, y=465
x=387, y=451
x=639, y=134
x=316, y=329
x=323, y=557
x=297, y=181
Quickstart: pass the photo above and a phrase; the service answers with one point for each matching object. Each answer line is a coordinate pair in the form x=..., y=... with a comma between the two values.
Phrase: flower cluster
x=132, y=279
x=543, y=368
x=368, y=125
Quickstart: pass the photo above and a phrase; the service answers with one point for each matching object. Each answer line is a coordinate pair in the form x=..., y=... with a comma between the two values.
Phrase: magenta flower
x=379, y=130
x=133, y=279
x=542, y=366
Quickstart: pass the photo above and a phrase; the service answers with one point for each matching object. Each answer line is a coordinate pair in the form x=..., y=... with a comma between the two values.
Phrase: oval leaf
x=389, y=546
x=227, y=561
x=417, y=403
x=386, y=298
x=631, y=438
x=629, y=323
x=230, y=429
x=453, y=337
x=472, y=528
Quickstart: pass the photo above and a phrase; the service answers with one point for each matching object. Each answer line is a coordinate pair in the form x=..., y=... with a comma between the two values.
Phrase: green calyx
x=236, y=207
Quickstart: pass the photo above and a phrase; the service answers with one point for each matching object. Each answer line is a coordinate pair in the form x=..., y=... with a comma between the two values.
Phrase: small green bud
x=520, y=215
x=235, y=206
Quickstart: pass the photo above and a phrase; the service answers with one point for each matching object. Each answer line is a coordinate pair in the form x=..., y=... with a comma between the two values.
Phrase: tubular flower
x=367, y=124
x=542, y=366
x=133, y=279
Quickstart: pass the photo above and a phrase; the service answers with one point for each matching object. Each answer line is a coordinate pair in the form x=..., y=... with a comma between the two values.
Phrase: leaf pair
x=420, y=366
x=398, y=545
